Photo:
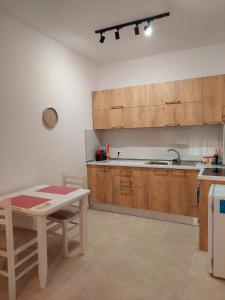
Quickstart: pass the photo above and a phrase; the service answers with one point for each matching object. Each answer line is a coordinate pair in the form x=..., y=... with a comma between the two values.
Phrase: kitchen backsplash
x=152, y=143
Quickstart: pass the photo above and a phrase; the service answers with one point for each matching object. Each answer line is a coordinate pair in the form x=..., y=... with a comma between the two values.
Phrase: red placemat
x=24, y=201
x=60, y=190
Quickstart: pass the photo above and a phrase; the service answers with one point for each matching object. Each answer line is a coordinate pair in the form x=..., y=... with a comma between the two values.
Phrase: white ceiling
x=193, y=23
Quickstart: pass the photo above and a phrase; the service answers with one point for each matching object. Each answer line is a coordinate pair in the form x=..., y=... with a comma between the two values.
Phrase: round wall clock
x=50, y=117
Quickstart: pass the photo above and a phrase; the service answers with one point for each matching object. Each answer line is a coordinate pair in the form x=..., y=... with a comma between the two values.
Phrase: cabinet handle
x=117, y=127
x=117, y=107
x=172, y=124
x=172, y=102
x=126, y=173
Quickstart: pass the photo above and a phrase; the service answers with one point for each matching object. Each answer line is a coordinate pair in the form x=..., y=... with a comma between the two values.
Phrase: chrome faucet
x=178, y=154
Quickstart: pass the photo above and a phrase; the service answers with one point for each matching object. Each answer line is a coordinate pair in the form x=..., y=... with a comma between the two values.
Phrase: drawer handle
x=172, y=102
x=172, y=124
x=117, y=107
x=117, y=127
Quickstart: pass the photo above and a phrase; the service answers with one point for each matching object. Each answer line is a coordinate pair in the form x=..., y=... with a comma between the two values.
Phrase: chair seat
x=63, y=215
x=21, y=237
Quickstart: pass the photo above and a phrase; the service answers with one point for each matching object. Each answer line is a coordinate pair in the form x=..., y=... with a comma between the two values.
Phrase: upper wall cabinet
x=214, y=99
x=128, y=97
x=174, y=92
x=101, y=99
x=186, y=102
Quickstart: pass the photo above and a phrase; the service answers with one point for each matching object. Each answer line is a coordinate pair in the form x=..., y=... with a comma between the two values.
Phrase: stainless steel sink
x=158, y=163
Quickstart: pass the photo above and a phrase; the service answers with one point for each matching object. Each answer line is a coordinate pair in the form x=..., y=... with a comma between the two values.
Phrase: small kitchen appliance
x=216, y=230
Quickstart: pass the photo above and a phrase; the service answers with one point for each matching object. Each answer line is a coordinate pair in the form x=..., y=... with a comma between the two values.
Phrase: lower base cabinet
x=162, y=190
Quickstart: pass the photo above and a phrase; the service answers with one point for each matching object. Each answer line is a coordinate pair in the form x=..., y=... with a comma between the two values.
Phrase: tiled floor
x=128, y=258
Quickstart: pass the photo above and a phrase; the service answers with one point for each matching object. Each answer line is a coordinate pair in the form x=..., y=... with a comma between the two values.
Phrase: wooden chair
x=69, y=215
x=15, y=242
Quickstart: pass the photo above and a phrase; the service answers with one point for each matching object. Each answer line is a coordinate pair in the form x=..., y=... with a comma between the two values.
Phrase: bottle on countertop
x=107, y=151
x=216, y=157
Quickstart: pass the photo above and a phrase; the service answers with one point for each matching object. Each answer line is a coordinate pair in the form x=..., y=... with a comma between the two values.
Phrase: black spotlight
x=102, y=38
x=136, y=30
x=117, y=35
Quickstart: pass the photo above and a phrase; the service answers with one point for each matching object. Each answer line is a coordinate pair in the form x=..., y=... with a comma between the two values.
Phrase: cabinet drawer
x=127, y=172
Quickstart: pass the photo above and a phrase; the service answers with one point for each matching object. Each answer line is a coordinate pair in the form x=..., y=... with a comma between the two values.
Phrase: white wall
x=36, y=72
x=171, y=66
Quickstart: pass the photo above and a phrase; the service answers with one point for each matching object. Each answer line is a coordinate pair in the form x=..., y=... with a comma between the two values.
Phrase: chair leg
x=11, y=279
x=65, y=239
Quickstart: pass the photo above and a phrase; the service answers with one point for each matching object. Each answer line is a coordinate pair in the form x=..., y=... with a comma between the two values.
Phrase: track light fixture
x=117, y=34
x=147, y=28
x=136, y=30
x=102, y=38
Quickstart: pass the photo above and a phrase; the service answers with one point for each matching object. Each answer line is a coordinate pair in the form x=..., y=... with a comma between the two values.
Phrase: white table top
x=56, y=201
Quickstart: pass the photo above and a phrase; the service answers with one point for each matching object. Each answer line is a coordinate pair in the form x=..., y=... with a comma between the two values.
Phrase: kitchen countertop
x=201, y=176
x=142, y=163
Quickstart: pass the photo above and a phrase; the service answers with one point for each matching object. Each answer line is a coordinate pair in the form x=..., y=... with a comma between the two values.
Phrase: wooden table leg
x=42, y=251
x=83, y=224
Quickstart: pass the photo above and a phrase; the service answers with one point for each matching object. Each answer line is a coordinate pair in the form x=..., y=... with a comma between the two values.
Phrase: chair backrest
x=6, y=228
x=73, y=180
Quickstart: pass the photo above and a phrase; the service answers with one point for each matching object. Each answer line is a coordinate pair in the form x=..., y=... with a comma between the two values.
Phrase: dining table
x=39, y=202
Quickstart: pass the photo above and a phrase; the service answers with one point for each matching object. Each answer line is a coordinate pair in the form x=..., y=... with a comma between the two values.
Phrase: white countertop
x=142, y=164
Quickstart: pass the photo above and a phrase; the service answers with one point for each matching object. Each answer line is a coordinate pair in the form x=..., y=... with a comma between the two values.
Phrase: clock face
x=50, y=117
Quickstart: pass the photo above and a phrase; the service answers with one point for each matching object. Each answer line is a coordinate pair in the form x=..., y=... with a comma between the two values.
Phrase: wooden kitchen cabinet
x=163, y=93
x=179, y=91
x=155, y=116
x=188, y=113
x=134, y=117
x=182, y=193
x=100, y=184
x=159, y=194
x=128, y=188
x=128, y=97
x=160, y=116
x=101, y=100
x=214, y=99
x=102, y=119
x=161, y=190
x=116, y=118
x=192, y=90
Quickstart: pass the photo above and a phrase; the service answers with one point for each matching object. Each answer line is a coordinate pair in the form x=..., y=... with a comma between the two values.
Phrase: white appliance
x=216, y=230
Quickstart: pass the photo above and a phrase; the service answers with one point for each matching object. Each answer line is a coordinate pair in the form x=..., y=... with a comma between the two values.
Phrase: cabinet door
x=160, y=116
x=100, y=184
x=192, y=90
x=101, y=100
x=128, y=188
x=134, y=96
x=163, y=93
x=213, y=99
x=134, y=117
x=191, y=201
x=118, y=98
x=160, y=192
x=178, y=190
x=189, y=113
x=102, y=119
x=155, y=116
x=116, y=118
